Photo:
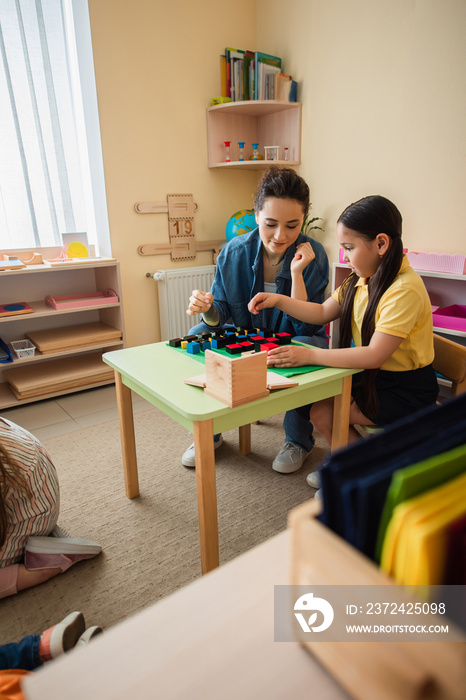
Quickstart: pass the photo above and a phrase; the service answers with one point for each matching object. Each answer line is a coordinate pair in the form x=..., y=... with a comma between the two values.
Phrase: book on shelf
x=254, y=75
x=285, y=88
x=234, y=65
x=265, y=65
x=223, y=76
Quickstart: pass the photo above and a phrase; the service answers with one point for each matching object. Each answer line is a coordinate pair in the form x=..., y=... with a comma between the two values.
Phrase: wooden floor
x=64, y=414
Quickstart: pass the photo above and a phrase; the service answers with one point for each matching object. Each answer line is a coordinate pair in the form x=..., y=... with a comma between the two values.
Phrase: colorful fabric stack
x=400, y=496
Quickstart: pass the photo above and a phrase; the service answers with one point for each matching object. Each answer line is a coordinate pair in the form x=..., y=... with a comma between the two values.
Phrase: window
x=51, y=172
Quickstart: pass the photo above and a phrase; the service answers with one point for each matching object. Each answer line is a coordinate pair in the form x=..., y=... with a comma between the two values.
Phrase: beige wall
x=382, y=86
x=157, y=66
x=384, y=102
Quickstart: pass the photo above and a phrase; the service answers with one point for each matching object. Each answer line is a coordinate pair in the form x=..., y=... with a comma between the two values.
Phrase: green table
x=157, y=372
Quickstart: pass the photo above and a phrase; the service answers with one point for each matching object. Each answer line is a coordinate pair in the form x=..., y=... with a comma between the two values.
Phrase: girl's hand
x=199, y=302
x=262, y=300
x=303, y=256
x=290, y=356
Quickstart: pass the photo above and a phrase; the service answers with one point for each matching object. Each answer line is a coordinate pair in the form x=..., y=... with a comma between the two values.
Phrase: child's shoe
x=88, y=635
x=62, y=637
x=57, y=551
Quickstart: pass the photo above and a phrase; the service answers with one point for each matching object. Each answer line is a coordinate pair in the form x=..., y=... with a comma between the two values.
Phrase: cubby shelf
x=266, y=122
x=32, y=285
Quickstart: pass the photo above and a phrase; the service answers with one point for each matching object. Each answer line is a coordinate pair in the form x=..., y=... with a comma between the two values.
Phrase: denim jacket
x=240, y=275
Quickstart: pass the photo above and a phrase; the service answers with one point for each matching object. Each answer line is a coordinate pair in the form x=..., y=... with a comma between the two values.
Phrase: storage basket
x=23, y=348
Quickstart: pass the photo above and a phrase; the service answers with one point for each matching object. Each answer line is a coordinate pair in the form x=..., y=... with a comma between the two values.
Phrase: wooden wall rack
x=182, y=246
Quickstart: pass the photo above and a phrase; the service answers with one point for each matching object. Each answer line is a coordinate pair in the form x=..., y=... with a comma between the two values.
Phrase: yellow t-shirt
x=404, y=311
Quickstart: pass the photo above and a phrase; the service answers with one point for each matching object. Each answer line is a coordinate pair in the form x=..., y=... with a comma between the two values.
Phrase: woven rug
x=151, y=543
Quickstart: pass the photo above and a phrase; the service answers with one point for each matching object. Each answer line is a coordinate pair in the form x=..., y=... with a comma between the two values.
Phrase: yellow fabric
x=10, y=684
x=404, y=311
x=414, y=545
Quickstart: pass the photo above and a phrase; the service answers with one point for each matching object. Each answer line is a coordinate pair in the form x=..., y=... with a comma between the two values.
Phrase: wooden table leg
x=341, y=411
x=206, y=493
x=245, y=439
x=128, y=443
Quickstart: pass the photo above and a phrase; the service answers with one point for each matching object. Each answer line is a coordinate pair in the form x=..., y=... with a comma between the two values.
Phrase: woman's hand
x=290, y=356
x=262, y=300
x=199, y=302
x=303, y=256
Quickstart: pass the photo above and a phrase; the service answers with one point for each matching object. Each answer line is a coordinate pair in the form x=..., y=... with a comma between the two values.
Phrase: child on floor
x=33, y=548
x=18, y=659
x=385, y=323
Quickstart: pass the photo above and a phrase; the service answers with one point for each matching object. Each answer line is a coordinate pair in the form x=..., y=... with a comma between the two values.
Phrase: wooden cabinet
x=266, y=122
x=32, y=285
x=444, y=289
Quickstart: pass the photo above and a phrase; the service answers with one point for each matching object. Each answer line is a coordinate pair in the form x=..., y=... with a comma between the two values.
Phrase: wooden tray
x=73, y=337
x=65, y=373
x=77, y=301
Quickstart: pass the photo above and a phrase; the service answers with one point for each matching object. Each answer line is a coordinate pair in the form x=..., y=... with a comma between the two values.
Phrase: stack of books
x=253, y=75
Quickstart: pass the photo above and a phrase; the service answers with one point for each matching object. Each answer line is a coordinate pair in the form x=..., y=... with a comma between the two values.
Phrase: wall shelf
x=267, y=122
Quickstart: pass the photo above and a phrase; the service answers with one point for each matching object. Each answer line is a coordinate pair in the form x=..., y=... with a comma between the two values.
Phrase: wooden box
x=236, y=380
x=369, y=670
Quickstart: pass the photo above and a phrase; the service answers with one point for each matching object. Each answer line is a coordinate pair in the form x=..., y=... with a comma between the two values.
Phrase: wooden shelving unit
x=267, y=122
x=32, y=285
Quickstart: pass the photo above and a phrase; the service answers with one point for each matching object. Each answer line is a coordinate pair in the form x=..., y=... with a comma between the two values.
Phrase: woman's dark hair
x=282, y=183
x=9, y=474
x=367, y=218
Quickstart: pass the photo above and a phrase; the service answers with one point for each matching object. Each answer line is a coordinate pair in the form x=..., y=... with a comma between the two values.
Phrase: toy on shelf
x=255, y=151
x=75, y=301
x=438, y=262
x=227, y=151
x=11, y=264
x=241, y=150
x=220, y=100
x=20, y=262
x=271, y=152
x=5, y=354
x=23, y=348
x=285, y=153
x=20, y=307
x=76, y=245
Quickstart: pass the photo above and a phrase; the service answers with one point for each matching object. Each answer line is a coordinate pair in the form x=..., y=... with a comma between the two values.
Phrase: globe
x=241, y=222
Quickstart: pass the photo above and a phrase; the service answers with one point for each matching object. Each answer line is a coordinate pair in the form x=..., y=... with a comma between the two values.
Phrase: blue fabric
x=23, y=655
x=355, y=480
x=240, y=275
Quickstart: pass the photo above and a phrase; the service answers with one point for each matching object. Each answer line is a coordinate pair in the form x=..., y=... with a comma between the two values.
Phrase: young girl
x=385, y=323
x=275, y=257
x=29, y=506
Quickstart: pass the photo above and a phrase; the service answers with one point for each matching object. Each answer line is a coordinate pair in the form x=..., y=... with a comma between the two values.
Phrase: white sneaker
x=314, y=480
x=88, y=635
x=290, y=458
x=188, y=458
x=66, y=633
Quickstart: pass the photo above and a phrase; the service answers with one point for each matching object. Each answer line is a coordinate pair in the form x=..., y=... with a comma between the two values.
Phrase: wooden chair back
x=450, y=361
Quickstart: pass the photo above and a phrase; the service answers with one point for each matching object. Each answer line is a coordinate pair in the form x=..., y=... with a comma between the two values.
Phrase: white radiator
x=175, y=288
